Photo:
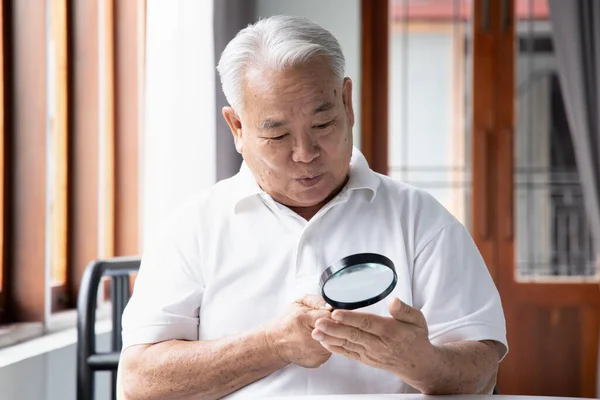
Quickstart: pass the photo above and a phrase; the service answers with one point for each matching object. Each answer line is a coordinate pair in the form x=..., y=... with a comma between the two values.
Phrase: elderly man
x=226, y=302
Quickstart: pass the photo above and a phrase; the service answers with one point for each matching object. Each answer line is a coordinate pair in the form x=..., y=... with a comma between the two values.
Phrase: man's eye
x=323, y=126
x=278, y=138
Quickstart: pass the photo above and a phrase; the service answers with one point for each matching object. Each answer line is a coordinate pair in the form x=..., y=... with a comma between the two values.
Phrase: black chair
x=88, y=359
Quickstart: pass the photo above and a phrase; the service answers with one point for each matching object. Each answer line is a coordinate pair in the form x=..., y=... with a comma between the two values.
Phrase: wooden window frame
x=104, y=133
x=25, y=165
x=59, y=151
x=2, y=161
x=129, y=23
x=83, y=179
x=81, y=114
x=124, y=27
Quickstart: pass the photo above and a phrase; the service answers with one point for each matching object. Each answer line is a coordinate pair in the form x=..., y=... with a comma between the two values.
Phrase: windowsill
x=21, y=341
x=68, y=319
x=16, y=333
x=593, y=280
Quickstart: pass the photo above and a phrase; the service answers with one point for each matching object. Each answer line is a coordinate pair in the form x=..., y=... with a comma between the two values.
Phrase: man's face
x=295, y=132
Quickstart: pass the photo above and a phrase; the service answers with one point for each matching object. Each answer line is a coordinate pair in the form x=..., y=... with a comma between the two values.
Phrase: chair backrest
x=88, y=359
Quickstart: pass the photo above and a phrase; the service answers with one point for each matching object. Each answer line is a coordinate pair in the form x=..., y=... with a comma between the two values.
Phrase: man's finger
x=342, y=331
x=364, y=321
x=325, y=339
x=405, y=313
x=342, y=351
x=314, y=301
x=314, y=315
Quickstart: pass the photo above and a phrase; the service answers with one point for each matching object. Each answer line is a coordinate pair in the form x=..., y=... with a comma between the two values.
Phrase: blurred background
x=110, y=117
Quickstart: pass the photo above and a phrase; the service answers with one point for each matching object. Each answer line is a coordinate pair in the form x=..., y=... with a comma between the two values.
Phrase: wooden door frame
x=374, y=83
x=493, y=122
x=541, y=296
x=375, y=103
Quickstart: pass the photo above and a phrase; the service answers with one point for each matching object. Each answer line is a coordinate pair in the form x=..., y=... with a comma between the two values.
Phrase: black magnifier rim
x=352, y=260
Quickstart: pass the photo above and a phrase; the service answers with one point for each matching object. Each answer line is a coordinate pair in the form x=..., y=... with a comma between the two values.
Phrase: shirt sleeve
x=454, y=290
x=168, y=290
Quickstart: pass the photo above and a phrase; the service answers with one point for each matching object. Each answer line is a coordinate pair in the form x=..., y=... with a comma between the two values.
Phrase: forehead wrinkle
x=280, y=99
x=304, y=109
x=325, y=106
x=271, y=124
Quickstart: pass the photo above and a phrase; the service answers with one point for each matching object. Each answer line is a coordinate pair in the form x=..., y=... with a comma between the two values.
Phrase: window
x=553, y=239
x=69, y=178
x=429, y=135
x=57, y=162
x=2, y=264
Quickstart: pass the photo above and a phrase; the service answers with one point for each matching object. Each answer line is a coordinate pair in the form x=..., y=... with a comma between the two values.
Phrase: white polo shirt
x=232, y=259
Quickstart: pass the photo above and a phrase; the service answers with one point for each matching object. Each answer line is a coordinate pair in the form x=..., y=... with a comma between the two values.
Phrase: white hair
x=277, y=43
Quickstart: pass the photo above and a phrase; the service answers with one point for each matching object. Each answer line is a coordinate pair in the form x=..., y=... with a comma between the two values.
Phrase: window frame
x=25, y=117
x=59, y=86
x=2, y=161
x=58, y=114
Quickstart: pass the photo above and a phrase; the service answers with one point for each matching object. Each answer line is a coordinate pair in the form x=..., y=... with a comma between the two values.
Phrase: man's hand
x=400, y=344
x=291, y=336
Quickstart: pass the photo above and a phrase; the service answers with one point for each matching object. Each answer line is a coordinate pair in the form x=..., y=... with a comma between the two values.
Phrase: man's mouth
x=309, y=180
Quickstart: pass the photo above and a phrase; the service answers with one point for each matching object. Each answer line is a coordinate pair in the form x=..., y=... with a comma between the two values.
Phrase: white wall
x=342, y=19
x=179, y=147
x=50, y=375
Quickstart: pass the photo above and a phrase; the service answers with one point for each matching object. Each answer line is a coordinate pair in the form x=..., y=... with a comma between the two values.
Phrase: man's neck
x=308, y=212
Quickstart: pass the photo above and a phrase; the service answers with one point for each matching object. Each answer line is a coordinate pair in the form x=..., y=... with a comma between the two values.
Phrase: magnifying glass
x=358, y=281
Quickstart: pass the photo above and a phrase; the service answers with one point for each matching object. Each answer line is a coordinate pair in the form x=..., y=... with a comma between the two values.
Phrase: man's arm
x=178, y=369
x=199, y=369
x=463, y=367
x=401, y=345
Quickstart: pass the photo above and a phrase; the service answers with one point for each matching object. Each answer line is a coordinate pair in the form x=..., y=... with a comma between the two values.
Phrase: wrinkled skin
x=295, y=133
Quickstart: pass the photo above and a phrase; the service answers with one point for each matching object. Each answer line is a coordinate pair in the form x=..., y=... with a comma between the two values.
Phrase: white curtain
x=576, y=34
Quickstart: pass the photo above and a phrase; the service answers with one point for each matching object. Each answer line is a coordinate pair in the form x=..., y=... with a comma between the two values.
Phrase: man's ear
x=347, y=99
x=235, y=124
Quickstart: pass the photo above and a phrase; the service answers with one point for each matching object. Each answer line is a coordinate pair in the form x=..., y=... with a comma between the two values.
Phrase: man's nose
x=305, y=150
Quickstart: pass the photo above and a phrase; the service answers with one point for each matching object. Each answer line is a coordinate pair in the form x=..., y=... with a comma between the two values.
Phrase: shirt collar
x=361, y=178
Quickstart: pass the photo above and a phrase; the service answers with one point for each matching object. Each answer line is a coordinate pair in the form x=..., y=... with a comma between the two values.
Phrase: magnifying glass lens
x=358, y=280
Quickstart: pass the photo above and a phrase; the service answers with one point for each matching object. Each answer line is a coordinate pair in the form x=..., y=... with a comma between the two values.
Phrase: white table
x=420, y=397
